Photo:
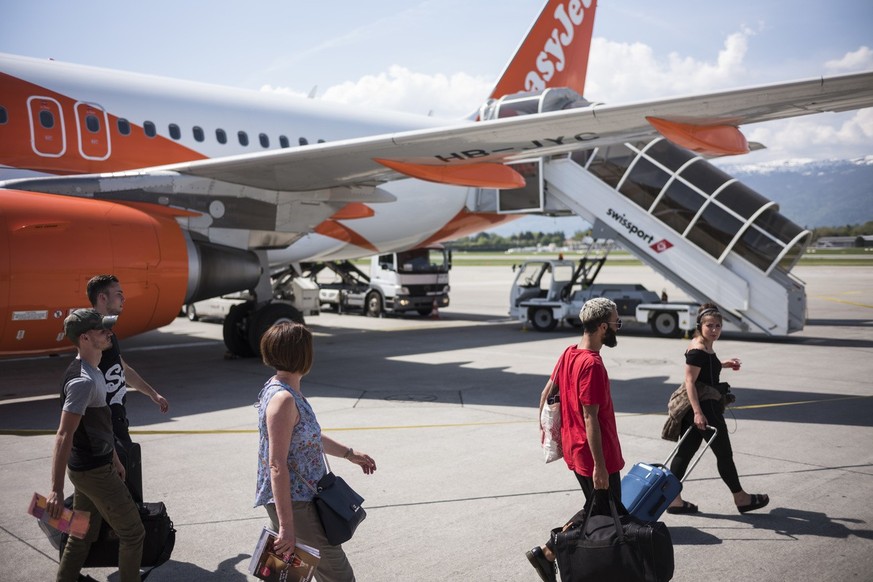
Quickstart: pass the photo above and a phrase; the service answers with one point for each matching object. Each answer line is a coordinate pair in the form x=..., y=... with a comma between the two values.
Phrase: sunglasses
x=616, y=323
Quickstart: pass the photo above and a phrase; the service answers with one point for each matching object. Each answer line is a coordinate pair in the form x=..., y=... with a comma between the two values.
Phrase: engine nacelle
x=557, y=99
x=51, y=245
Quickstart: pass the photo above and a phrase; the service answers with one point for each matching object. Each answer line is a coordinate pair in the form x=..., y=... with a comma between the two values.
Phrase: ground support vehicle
x=416, y=280
x=549, y=292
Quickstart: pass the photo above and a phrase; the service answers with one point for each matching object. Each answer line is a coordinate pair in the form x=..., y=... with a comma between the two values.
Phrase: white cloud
x=621, y=72
x=400, y=89
x=628, y=72
x=403, y=90
x=828, y=136
x=859, y=60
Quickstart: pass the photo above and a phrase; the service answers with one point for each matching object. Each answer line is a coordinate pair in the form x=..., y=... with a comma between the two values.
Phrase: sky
x=444, y=56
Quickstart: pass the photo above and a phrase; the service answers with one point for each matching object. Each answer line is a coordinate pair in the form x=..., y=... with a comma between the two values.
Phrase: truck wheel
x=191, y=312
x=665, y=324
x=373, y=305
x=542, y=319
x=265, y=318
x=235, y=330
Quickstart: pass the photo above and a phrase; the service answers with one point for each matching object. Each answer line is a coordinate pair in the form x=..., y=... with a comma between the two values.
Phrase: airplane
x=187, y=191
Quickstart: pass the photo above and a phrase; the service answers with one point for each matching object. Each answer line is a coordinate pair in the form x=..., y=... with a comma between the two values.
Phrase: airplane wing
x=466, y=154
x=352, y=162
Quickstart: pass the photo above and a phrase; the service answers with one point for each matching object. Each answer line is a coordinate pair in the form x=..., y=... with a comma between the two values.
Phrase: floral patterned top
x=305, y=455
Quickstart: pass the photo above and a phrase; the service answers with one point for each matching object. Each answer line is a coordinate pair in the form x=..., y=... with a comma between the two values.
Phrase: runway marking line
x=853, y=303
x=38, y=432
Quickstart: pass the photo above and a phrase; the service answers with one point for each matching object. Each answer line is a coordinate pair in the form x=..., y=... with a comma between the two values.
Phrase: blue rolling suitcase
x=647, y=490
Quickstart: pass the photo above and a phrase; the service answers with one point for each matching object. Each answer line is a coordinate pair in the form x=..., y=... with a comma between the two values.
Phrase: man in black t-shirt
x=85, y=445
x=107, y=297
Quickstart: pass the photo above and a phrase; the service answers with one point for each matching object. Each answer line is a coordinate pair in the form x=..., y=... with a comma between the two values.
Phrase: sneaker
x=543, y=566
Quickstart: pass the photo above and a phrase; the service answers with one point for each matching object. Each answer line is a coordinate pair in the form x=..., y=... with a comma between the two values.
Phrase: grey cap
x=84, y=320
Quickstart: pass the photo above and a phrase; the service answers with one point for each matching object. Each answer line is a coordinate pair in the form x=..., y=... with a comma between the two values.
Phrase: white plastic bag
x=550, y=431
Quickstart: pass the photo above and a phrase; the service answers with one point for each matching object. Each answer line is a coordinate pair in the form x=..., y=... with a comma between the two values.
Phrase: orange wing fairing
x=51, y=245
x=712, y=140
x=485, y=175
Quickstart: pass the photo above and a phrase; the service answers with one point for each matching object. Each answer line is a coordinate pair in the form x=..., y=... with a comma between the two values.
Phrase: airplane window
x=220, y=136
x=46, y=119
x=4, y=117
x=283, y=141
x=149, y=128
x=243, y=138
x=198, y=133
x=265, y=140
x=175, y=132
x=123, y=126
x=92, y=123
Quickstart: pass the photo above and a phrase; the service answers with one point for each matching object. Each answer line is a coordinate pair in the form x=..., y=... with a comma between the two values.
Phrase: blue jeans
x=101, y=492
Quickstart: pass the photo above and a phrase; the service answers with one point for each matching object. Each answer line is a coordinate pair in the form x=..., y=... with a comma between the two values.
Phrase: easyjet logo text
x=552, y=58
x=632, y=229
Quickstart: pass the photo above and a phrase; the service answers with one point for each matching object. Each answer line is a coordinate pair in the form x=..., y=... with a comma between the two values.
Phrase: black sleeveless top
x=709, y=364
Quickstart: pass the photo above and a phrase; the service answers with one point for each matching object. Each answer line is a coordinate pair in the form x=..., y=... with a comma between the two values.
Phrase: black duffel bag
x=160, y=539
x=612, y=545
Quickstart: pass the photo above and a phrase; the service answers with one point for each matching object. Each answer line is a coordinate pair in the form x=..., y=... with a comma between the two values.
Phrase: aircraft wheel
x=265, y=318
x=542, y=319
x=191, y=312
x=666, y=324
x=373, y=305
x=235, y=330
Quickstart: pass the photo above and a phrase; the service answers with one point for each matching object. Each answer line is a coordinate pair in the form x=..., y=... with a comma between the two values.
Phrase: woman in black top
x=702, y=365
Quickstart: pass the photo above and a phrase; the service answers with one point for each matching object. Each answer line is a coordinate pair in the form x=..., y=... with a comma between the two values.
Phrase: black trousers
x=721, y=446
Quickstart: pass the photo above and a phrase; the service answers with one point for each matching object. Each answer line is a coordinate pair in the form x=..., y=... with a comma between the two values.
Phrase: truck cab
x=414, y=280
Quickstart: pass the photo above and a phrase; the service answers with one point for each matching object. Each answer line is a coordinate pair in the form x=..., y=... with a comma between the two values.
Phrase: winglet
x=555, y=51
x=712, y=140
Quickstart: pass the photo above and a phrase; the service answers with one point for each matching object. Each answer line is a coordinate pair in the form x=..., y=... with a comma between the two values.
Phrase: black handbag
x=606, y=546
x=339, y=507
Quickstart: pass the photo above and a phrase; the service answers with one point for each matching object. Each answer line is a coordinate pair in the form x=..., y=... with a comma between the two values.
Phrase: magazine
x=267, y=565
x=72, y=521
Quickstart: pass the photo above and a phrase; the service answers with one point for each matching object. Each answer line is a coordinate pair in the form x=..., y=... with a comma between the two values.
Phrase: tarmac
x=448, y=409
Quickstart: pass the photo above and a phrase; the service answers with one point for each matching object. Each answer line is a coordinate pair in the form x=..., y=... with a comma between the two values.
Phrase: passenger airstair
x=710, y=235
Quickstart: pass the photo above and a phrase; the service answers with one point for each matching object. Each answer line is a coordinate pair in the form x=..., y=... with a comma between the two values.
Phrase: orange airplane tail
x=555, y=51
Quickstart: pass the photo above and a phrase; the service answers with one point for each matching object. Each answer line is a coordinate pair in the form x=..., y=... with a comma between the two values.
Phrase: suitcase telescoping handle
x=699, y=455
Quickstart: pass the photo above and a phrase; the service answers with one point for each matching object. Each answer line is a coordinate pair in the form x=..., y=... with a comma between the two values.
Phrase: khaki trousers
x=102, y=493
x=334, y=565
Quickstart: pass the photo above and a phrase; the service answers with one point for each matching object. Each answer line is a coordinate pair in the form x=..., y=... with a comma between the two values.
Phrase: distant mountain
x=810, y=193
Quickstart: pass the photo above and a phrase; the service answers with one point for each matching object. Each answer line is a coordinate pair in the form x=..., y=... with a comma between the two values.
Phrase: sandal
x=684, y=508
x=757, y=502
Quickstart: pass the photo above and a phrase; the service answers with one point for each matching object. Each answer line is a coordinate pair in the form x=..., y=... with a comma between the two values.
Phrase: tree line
x=490, y=242
x=487, y=241
x=848, y=230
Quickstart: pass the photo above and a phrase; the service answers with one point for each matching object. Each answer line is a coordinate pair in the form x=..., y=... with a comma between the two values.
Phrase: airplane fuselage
x=71, y=119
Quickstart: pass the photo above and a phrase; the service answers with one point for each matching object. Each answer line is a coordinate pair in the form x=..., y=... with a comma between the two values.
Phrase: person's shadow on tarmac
x=791, y=523
x=172, y=570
